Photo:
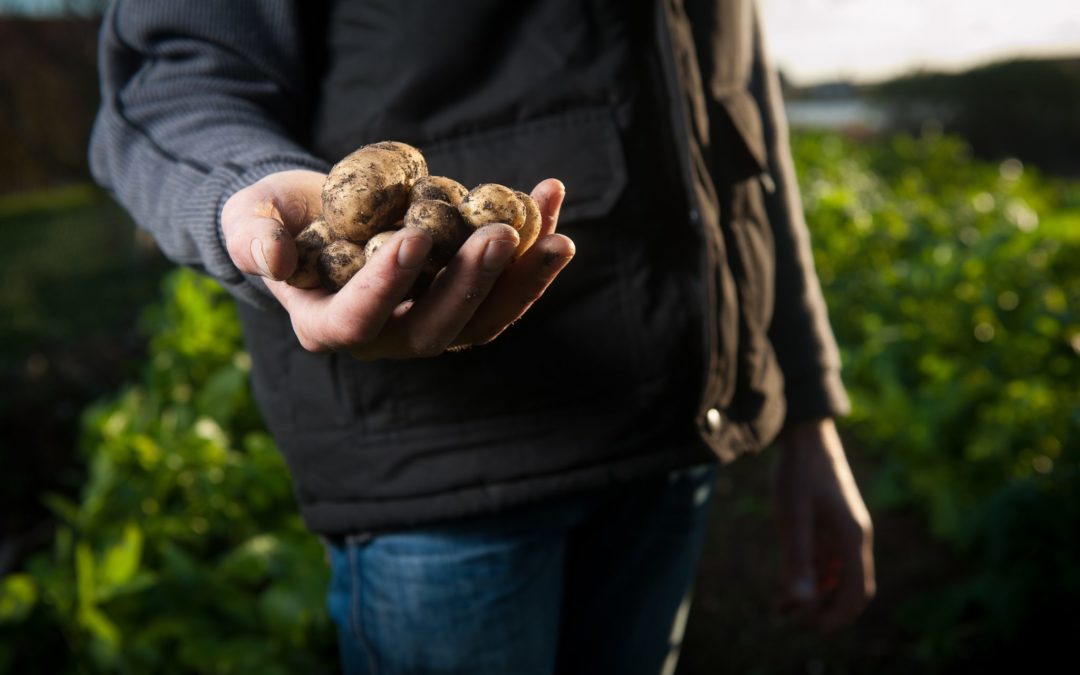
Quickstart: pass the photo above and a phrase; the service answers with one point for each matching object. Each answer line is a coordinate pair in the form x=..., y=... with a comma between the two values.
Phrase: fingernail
x=497, y=254
x=259, y=257
x=413, y=252
x=558, y=211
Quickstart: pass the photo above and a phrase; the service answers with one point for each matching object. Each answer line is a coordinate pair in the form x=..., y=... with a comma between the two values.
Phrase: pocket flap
x=741, y=110
x=582, y=148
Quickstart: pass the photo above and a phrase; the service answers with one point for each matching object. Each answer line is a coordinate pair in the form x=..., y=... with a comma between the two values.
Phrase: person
x=507, y=483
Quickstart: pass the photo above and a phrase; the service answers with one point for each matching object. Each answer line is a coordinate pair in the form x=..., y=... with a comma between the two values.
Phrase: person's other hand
x=471, y=302
x=826, y=536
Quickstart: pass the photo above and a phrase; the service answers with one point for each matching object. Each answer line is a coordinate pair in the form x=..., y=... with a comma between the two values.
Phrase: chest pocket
x=582, y=148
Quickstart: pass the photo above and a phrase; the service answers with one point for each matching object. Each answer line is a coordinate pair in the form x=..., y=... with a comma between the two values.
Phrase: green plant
x=185, y=552
x=954, y=293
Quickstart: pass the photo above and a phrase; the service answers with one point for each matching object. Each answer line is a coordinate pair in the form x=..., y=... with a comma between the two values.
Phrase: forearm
x=192, y=111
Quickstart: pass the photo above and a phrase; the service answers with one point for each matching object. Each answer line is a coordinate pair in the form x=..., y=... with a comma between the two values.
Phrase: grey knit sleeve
x=800, y=330
x=199, y=99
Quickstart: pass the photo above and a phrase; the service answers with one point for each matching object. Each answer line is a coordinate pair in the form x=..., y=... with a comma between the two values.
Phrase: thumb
x=797, y=543
x=259, y=221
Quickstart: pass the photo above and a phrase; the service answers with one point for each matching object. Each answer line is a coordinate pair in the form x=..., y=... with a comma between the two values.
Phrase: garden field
x=158, y=531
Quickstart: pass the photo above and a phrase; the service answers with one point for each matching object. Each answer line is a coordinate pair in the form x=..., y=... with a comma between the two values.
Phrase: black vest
x=598, y=384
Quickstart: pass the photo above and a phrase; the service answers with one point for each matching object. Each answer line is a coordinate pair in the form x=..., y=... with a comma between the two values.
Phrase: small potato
x=375, y=243
x=530, y=229
x=367, y=191
x=309, y=244
x=338, y=262
x=412, y=159
x=492, y=203
x=427, y=274
x=444, y=222
x=438, y=187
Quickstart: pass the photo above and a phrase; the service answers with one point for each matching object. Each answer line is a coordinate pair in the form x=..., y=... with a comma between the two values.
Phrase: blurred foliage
x=64, y=249
x=1029, y=108
x=185, y=552
x=73, y=277
x=954, y=291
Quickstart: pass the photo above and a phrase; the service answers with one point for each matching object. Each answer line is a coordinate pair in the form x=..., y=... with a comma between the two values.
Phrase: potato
x=444, y=222
x=530, y=229
x=415, y=164
x=375, y=243
x=367, y=191
x=385, y=186
x=309, y=244
x=492, y=203
x=338, y=262
x=427, y=274
x=438, y=187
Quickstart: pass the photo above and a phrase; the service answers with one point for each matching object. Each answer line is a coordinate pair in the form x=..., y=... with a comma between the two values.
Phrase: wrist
x=799, y=432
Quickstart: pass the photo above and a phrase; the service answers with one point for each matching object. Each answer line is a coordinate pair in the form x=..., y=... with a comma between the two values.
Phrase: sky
x=867, y=40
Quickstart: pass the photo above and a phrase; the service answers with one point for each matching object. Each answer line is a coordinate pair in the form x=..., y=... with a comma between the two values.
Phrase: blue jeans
x=589, y=584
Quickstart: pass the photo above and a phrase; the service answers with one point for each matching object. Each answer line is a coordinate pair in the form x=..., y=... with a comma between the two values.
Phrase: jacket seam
x=121, y=109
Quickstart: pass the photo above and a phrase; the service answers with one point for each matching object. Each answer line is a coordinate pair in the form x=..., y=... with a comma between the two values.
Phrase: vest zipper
x=680, y=130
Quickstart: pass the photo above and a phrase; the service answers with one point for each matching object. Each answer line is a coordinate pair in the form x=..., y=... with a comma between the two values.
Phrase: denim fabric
x=589, y=584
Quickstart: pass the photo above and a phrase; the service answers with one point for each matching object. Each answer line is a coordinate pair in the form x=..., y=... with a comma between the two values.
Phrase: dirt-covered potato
x=530, y=229
x=309, y=244
x=492, y=203
x=385, y=186
x=375, y=243
x=338, y=262
x=367, y=191
x=438, y=187
x=448, y=229
x=415, y=164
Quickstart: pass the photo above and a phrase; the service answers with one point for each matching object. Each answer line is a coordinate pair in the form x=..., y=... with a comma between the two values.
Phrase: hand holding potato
x=473, y=300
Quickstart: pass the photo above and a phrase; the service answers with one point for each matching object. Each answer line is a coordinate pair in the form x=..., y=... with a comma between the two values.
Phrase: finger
x=517, y=289
x=437, y=317
x=549, y=195
x=303, y=305
x=295, y=197
x=854, y=586
x=259, y=221
x=354, y=317
x=362, y=307
x=797, y=567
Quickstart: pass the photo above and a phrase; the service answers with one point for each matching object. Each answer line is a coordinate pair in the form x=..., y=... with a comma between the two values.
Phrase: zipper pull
x=767, y=182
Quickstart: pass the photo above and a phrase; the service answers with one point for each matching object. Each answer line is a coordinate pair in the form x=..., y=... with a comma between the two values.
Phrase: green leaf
x=140, y=582
x=84, y=575
x=121, y=560
x=104, y=632
x=18, y=595
x=62, y=507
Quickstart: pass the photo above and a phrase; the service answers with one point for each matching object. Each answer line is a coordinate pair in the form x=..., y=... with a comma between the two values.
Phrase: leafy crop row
x=954, y=291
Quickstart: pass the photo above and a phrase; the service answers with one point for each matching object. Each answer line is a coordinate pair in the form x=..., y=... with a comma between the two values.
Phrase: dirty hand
x=827, y=573
x=471, y=302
